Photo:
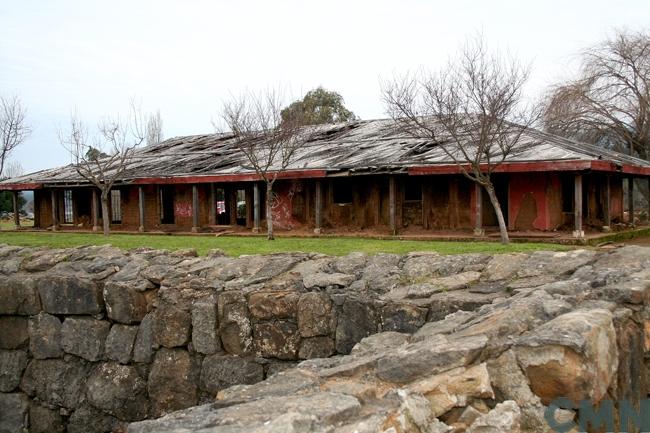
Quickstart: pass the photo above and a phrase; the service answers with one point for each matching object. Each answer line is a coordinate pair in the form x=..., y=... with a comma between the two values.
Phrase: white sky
x=185, y=57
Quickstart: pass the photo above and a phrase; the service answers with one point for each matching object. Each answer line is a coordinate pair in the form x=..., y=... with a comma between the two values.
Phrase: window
x=166, y=205
x=342, y=192
x=68, y=210
x=116, y=206
x=568, y=191
x=412, y=190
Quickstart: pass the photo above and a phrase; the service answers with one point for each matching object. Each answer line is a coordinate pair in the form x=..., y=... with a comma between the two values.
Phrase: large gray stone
x=356, y=320
x=322, y=279
x=172, y=382
x=12, y=364
x=292, y=414
x=45, y=420
x=278, y=339
x=66, y=294
x=273, y=305
x=87, y=419
x=419, y=359
x=220, y=372
x=84, y=337
x=315, y=315
x=171, y=326
x=14, y=333
x=205, y=325
x=234, y=323
x=504, y=418
x=316, y=347
x=118, y=390
x=13, y=411
x=574, y=355
x=143, y=346
x=45, y=336
x=55, y=381
x=18, y=295
x=119, y=343
x=123, y=303
x=403, y=317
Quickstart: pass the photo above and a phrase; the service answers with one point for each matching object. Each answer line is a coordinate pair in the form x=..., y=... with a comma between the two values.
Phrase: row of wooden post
x=392, y=191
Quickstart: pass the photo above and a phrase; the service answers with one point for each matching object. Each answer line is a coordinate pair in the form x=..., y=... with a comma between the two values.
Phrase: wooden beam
x=212, y=215
x=392, y=205
x=141, y=207
x=95, y=210
x=195, y=208
x=244, y=177
x=607, y=205
x=478, y=210
x=256, y=207
x=55, y=214
x=15, y=197
x=577, y=207
x=630, y=200
x=318, y=208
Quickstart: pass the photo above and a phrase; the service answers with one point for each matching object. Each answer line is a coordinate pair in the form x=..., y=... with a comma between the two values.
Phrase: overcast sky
x=184, y=57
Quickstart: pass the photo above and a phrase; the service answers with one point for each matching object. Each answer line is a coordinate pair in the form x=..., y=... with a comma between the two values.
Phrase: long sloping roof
x=364, y=146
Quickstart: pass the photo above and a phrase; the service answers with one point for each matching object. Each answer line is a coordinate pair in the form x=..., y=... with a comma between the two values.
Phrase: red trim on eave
x=244, y=177
x=20, y=186
x=515, y=167
x=633, y=169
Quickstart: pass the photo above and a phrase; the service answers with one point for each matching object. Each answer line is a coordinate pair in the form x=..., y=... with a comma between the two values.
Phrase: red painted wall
x=527, y=205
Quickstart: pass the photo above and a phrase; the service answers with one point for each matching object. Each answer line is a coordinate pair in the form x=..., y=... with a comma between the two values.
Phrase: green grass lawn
x=235, y=246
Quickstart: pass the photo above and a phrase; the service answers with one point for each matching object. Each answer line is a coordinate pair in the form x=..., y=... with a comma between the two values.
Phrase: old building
x=363, y=175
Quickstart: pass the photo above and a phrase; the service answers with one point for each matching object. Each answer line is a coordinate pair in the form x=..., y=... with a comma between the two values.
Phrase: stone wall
x=95, y=338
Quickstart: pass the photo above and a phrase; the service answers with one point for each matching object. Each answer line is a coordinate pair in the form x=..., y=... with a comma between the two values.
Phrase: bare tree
x=473, y=110
x=154, y=129
x=13, y=127
x=268, y=143
x=609, y=102
x=103, y=158
x=13, y=169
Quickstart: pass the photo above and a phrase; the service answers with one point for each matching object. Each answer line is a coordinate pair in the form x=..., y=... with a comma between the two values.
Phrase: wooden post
x=648, y=198
x=232, y=205
x=630, y=200
x=577, y=208
x=55, y=214
x=195, y=208
x=607, y=207
x=318, y=208
x=256, y=207
x=16, y=210
x=478, y=216
x=95, y=210
x=212, y=215
x=141, y=207
x=392, y=197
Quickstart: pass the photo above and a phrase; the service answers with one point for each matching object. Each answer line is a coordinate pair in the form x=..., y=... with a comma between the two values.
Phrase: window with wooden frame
x=68, y=207
x=116, y=206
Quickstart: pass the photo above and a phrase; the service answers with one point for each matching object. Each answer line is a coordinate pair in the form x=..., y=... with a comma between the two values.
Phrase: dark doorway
x=241, y=207
x=501, y=188
x=166, y=205
x=223, y=216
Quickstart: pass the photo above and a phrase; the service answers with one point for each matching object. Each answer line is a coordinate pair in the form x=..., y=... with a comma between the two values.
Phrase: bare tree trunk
x=105, y=218
x=497, y=209
x=269, y=211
